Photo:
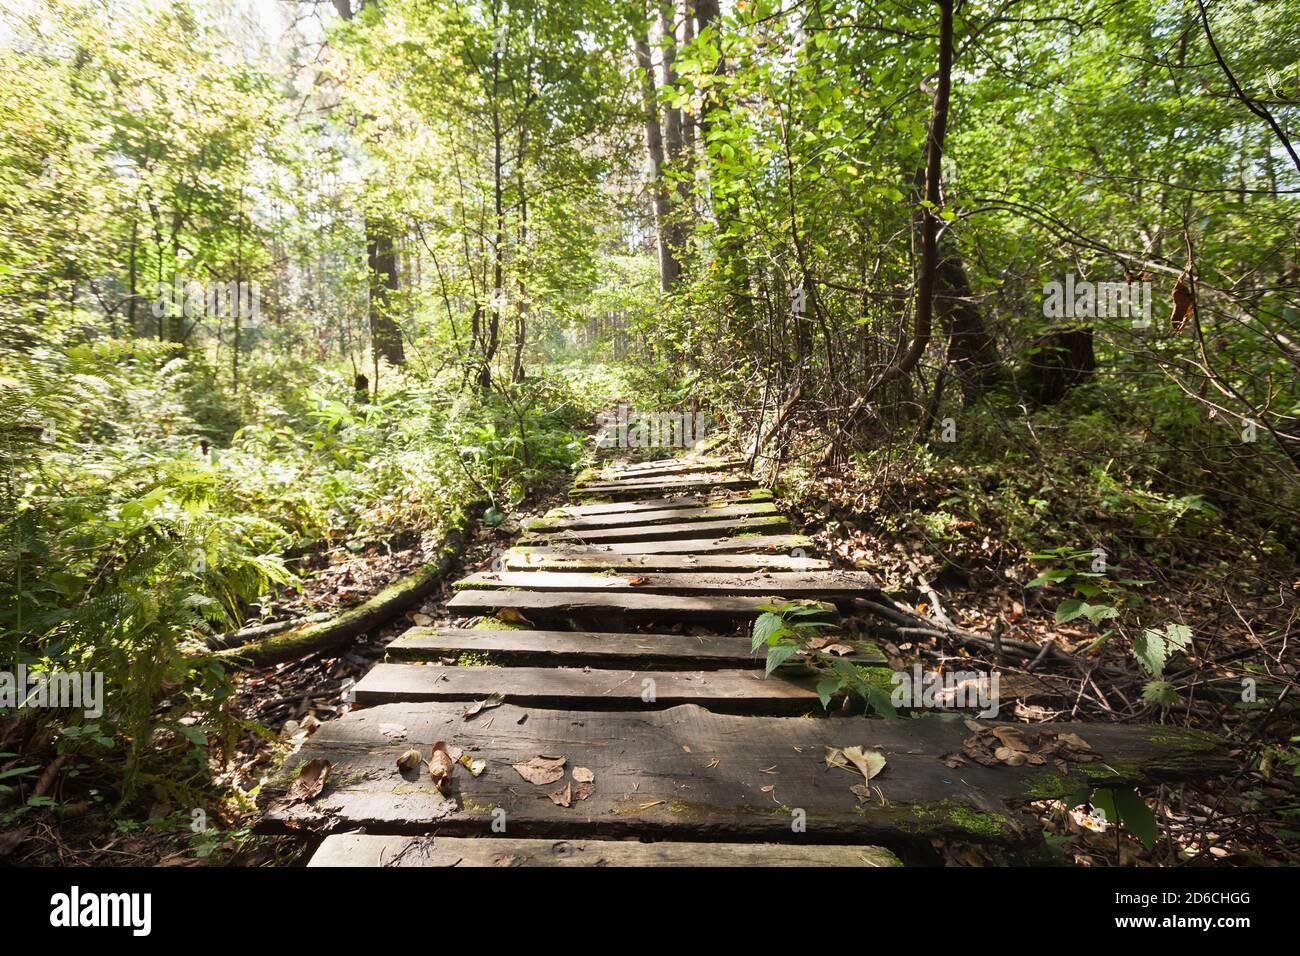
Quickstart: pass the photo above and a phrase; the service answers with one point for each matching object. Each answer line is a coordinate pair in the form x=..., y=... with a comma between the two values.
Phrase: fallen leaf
x=474, y=765
x=636, y=582
x=584, y=790
x=838, y=649
x=541, y=769
x=869, y=762
x=583, y=775
x=563, y=798
x=493, y=700
x=441, y=766
x=311, y=780
x=393, y=731
x=511, y=616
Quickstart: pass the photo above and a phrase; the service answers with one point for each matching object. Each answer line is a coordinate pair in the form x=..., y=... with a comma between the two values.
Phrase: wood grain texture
x=632, y=605
x=688, y=774
x=717, y=512
x=789, y=584
x=592, y=649
x=358, y=849
x=588, y=688
x=770, y=543
x=576, y=559
x=677, y=531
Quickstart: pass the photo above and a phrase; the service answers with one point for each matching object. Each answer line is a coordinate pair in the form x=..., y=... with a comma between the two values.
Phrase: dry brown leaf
x=441, y=766
x=393, y=731
x=493, y=700
x=583, y=775
x=311, y=780
x=541, y=769
x=563, y=798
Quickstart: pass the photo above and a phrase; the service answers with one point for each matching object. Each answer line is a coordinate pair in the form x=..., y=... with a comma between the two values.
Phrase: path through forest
x=621, y=702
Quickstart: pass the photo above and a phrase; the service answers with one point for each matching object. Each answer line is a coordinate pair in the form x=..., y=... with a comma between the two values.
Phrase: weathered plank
x=687, y=773
x=630, y=605
x=719, y=479
x=772, y=543
x=817, y=584
x=753, y=496
x=664, y=469
x=762, y=524
x=593, y=648
x=651, y=487
x=719, y=512
x=541, y=559
x=363, y=849
x=586, y=688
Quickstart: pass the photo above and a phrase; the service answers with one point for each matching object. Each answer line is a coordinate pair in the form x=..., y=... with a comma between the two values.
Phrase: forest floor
x=1248, y=817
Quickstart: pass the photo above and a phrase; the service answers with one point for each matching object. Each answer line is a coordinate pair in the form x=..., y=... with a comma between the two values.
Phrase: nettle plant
x=792, y=635
x=1099, y=597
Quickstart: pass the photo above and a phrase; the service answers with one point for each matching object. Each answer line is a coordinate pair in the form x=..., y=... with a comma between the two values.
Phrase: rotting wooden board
x=657, y=487
x=718, y=512
x=753, y=496
x=668, y=469
x=588, y=688
x=546, y=559
x=594, y=648
x=570, y=604
x=819, y=584
x=689, y=482
x=686, y=773
x=362, y=849
x=763, y=524
x=754, y=543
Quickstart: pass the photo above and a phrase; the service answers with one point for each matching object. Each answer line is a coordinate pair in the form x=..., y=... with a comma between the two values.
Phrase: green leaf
x=1149, y=648
x=767, y=625
x=1178, y=635
x=1160, y=692
x=777, y=655
x=1069, y=610
x=1137, y=816
x=827, y=687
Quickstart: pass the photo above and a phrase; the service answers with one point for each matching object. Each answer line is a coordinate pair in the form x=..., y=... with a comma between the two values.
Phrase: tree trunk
x=669, y=269
x=972, y=350
x=385, y=335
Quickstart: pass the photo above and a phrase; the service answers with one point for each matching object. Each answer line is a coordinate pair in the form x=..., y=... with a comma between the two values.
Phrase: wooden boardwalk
x=624, y=720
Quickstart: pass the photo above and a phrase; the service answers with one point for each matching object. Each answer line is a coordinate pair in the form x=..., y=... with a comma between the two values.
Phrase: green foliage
x=785, y=632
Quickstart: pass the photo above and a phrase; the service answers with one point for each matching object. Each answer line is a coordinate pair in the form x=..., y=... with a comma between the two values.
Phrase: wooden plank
x=719, y=512
x=719, y=479
x=763, y=524
x=587, y=688
x=593, y=649
x=571, y=604
x=754, y=495
x=686, y=773
x=542, y=559
x=753, y=543
x=656, y=470
x=363, y=849
x=820, y=584
x=659, y=486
